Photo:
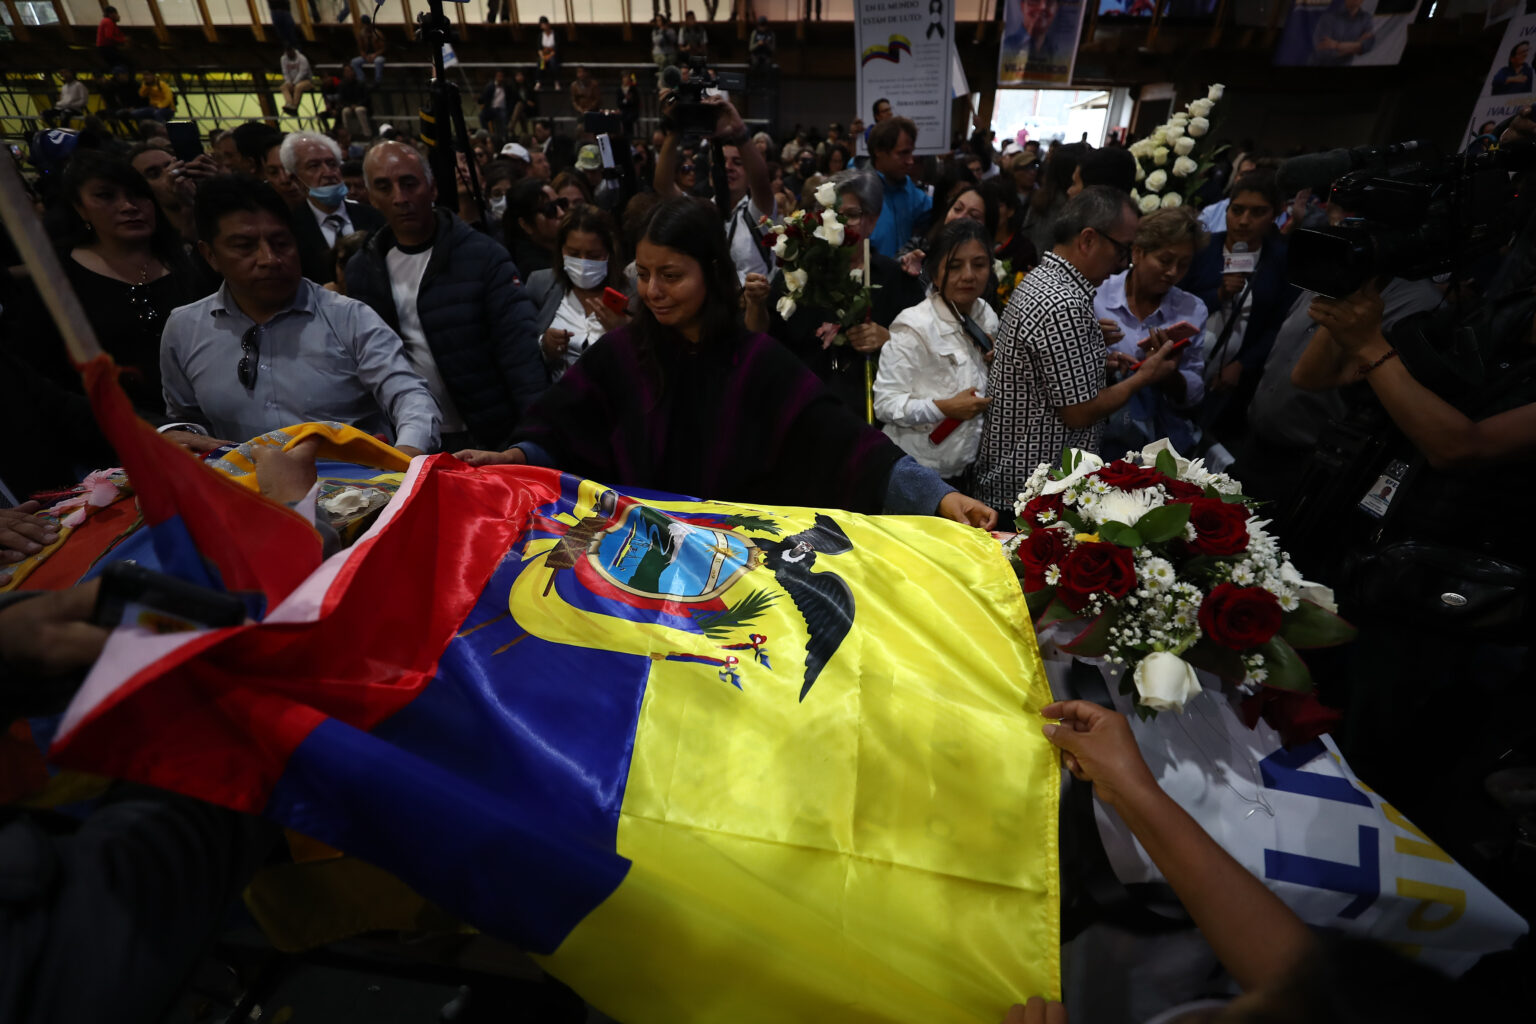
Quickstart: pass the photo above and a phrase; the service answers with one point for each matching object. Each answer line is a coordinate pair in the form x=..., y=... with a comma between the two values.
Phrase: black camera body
x=1413, y=214
x=692, y=115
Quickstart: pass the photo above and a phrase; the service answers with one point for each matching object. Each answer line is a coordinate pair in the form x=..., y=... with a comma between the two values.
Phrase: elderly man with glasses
x=1048, y=376
x=270, y=349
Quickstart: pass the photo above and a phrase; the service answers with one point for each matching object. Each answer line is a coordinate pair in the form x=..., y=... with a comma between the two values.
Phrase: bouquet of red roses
x=1170, y=570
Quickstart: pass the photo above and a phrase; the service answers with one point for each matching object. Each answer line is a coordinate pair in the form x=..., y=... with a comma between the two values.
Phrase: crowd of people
x=626, y=319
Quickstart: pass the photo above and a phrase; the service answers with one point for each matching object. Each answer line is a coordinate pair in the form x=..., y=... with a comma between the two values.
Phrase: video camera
x=1412, y=213
x=691, y=114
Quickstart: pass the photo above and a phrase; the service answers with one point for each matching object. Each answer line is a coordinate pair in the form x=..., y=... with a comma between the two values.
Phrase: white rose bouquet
x=1167, y=569
x=1176, y=158
x=815, y=251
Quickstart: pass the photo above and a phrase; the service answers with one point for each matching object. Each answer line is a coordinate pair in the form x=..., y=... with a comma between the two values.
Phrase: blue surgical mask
x=587, y=274
x=329, y=195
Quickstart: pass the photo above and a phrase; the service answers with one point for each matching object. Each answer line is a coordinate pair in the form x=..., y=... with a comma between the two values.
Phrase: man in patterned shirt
x=1047, y=381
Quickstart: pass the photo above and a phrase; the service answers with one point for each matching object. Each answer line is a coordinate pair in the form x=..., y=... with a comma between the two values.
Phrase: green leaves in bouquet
x=1222, y=662
x=1055, y=611
x=1286, y=670
x=1156, y=526
x=1312, y=625
x=1230, y=499
x=1164, y=522
x=1166, y=464
x=1092, y=642
x=1039, y=600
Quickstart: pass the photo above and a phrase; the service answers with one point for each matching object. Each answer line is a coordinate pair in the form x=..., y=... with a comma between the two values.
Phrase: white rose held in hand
x=826, y=195
x=796, y=280
x=1165, y=682
x=1156, y=180
x=831, y=229
x=781, y=246
x=786, y=307
x=1183, y=167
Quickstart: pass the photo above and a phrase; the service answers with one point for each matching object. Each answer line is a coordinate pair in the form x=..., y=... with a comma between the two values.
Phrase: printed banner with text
x=1039, y=42
x=903, y=49
x=1345, y=33
x=1511, y=81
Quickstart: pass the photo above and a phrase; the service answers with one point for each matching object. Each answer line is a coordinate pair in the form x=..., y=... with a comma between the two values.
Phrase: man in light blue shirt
x=907, y=204
x=270, y=349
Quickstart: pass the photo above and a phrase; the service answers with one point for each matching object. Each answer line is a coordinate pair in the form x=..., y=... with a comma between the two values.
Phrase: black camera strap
x=1231, y=323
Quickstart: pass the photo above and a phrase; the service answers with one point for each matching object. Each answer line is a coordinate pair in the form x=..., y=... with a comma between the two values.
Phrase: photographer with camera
x=743, y=188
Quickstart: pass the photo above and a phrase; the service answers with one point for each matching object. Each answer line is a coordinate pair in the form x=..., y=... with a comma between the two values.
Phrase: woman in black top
x=127, y=266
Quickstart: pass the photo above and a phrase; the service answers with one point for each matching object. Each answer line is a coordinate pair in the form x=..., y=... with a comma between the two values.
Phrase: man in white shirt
x=72, y=99
x=298, y=79
x=314, y=162
x=454, y=296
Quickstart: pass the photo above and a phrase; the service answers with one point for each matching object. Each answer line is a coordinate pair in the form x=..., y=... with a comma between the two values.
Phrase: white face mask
x=498, y=207
x=586, y=273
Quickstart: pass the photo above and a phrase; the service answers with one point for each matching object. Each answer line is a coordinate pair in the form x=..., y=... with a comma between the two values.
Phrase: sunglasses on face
x=250, y=348
x=555, y=207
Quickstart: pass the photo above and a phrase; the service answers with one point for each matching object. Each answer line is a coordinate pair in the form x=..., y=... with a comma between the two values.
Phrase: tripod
x=442, y=126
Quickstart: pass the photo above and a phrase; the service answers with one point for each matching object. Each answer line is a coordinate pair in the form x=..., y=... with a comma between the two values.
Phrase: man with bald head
x=455, y=298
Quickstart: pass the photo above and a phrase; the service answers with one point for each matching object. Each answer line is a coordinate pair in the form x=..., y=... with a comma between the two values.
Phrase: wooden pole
x=304, y=25
x=42, y=263
x=257, y=28
x=1221, y=16
x=161, y=32
x=210, y=33
x=18, y=28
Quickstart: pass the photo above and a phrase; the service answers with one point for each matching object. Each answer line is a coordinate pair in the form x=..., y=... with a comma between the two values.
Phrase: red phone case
x=615, y=300
x=1176, y=346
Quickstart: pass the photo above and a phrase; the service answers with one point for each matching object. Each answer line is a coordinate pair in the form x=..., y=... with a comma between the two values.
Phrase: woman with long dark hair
x=685, y=400
x=127, y=265
x=1060, y=167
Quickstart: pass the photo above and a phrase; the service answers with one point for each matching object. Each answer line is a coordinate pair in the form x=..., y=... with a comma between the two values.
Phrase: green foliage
x=1166, y=464
x=1119, y=533
x=1284, y=667
x=757, y=524
x=1311, y=625
x=1163, y=523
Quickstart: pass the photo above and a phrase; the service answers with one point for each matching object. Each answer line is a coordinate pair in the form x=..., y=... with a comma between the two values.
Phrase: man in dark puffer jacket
x=456, y=300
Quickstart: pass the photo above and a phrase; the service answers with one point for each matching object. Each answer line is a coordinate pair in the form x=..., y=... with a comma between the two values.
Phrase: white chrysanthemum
x=1288, y=601
x=1243, y=574
x=1157, y=573
x=1189, y=532
x=1046, y=516
x=1052, y=575
x=1126, y=507
x=1069, y=497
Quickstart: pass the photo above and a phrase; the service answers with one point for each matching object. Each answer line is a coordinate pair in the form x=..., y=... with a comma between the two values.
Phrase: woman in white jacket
x=933, y=371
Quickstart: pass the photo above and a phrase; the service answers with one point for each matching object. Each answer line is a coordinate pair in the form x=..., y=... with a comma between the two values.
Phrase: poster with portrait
x=903, y=51
x=1039, y=41
x=1345, y=33
x=1511, y=81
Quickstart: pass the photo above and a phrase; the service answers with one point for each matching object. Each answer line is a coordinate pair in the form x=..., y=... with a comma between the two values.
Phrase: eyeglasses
x=250, y=347
x=555, y=207
x=1122, y=249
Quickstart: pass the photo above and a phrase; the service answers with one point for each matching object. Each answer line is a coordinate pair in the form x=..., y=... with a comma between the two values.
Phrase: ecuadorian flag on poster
x=709, y=762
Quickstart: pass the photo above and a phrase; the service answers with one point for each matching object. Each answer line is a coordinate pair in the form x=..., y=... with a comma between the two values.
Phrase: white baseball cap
x=515, y=150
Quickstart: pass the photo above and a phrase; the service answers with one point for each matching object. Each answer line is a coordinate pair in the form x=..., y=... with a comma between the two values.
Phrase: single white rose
x=1199, y=126
x=1181, y=118
x=781, y=246
x=826, y=195
x=1183, y=167
x=786, y=307
x=830, y=229
x=1200, y=108
x=1184, y=146
x=1087, y=463
x=1175, y=132
x=1141, y=148
x=1160, y=156
x=1156, y=180
x=856, y=273
x=796, y=280
x=1215, y=93
x=1141, y=172
x=1159, y=138
x=998, y=270
x=1171, y=200
x=1165, y=682
x=1147, y=204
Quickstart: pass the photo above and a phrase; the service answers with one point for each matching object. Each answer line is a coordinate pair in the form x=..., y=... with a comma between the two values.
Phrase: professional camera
x=691, y=114
x=1412, y=212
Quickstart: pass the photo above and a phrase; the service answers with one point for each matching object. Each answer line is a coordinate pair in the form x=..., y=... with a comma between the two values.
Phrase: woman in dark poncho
x=684, y=400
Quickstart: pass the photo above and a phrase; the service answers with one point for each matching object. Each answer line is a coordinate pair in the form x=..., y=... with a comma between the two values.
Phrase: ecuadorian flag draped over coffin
x=710, y=762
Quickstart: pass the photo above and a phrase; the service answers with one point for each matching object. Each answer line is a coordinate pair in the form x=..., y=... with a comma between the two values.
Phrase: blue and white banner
x=1511, y=80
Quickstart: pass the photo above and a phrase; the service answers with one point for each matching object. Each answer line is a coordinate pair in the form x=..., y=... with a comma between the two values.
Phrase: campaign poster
x=1345, y=33
x=1511, y=82
x=903, y=49
x=1039, y=41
